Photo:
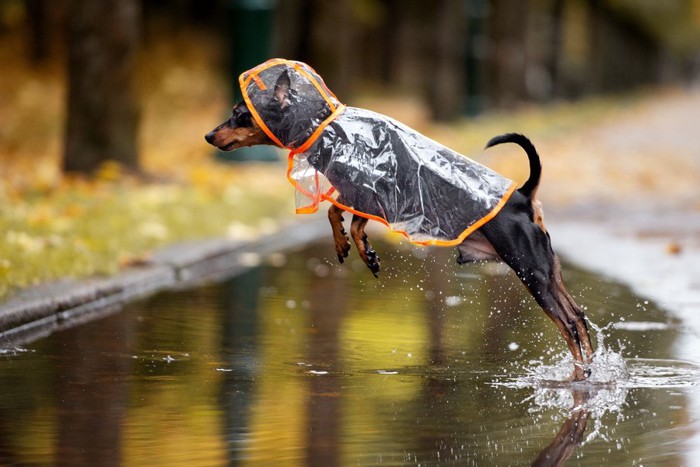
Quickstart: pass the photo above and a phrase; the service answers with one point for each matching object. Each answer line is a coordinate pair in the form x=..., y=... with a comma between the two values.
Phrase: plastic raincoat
x=369, y=164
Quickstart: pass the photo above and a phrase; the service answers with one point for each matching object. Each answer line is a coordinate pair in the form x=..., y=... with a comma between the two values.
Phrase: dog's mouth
x=227, y=146
x=230, y=146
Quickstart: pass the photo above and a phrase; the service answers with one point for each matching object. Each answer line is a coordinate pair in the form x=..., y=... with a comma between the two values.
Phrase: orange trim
x=314, y=197
x=322, y=90
x=259, y=82
x=314, y=136
x=297, y=66
x=307, y=209
x=262, y=67
x=244, y=85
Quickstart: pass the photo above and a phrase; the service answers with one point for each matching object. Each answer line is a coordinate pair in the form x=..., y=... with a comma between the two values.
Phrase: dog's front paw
x=342, y=246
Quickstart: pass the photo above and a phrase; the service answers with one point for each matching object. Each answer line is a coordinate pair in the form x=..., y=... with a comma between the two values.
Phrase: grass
x=87, y=228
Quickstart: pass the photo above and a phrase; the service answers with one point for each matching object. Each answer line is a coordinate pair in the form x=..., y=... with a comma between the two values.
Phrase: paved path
x=645, y=153
x=630, y=206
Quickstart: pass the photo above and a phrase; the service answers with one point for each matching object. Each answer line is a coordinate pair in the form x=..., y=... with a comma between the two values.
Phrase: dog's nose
x=209, y=137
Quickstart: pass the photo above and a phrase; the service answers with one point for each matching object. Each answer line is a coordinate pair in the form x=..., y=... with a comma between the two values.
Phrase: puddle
x=302, y=361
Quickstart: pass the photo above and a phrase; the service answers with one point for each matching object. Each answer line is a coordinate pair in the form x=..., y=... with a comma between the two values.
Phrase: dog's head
x=242, y=129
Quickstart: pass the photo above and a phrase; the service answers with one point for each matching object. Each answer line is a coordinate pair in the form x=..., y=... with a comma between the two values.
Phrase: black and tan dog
x=512, y=232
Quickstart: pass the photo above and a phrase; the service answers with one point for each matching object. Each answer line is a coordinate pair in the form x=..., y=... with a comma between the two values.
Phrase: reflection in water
x=239, y=332
x=313, y=364
x=570, y=434
x=91, y=380
x=328, y=299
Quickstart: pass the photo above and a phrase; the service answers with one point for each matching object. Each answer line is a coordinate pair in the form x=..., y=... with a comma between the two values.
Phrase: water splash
x=609, y=369
x=605, y=391
x=14, y=351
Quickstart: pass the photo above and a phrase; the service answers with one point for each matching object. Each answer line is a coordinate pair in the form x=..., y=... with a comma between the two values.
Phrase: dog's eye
x=241, y=116
x=243, y=119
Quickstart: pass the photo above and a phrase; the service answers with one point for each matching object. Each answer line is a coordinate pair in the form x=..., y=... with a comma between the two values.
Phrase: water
x=303, y=362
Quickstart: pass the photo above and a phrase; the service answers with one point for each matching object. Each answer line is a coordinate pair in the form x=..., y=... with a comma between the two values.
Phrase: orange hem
x=446, y=243
x=468, y=231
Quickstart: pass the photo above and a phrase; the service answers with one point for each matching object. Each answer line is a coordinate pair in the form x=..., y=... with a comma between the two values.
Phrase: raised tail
x=530, y=186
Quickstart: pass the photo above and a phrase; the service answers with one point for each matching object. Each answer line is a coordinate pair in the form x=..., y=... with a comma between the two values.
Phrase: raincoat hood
x=289, y=101
x=367, y=163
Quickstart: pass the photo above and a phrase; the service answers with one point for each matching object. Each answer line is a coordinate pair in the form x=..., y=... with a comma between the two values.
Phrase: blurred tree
x=103, y=111
x=249, y=32
x=625, y=52
x=475, y=56
x=446, y=81
x=38, y=18
x=507, y=60
x=406, y=41
x=554, y=57
x=330, y=41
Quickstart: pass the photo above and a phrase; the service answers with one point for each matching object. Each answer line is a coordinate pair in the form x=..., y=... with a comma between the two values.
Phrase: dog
x=382, y=170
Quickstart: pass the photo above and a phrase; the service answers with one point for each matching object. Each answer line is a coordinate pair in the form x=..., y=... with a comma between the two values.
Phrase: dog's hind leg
x=526, y=248
x=340, y=237
x=364, y=248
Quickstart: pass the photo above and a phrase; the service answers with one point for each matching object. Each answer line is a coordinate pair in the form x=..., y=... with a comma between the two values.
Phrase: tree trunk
x=38, y=38
x=556, y=47
x=103, y=113
x=625, y=55
x=507, y=60
x=446, y=83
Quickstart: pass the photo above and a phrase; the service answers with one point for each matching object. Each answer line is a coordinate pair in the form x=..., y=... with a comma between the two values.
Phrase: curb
x=39, y=311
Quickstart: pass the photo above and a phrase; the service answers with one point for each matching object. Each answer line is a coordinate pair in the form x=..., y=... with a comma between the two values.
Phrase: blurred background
x=104, y=105
x=103, y=61
x=124, y=90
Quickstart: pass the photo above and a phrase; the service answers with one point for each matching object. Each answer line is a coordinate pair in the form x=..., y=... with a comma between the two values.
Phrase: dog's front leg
x=340, y=237
x=364, y=248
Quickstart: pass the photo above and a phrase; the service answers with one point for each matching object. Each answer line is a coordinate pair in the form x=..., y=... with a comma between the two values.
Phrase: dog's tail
x=530, y=186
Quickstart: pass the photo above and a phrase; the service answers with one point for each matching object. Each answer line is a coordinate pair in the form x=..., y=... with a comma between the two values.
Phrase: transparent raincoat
x=369, y=164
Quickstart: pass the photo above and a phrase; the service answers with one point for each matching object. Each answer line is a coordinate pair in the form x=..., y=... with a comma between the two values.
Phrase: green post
x=250, y=25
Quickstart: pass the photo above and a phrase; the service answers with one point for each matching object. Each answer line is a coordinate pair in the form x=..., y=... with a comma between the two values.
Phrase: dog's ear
x=282, y=90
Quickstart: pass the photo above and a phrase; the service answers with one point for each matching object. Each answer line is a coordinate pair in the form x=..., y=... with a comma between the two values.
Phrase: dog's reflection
x=570, y=434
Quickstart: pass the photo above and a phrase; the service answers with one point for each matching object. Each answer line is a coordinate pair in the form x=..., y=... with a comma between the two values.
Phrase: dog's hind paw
x=461, y=259
x=372, y=259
